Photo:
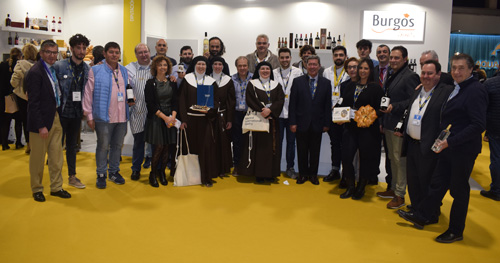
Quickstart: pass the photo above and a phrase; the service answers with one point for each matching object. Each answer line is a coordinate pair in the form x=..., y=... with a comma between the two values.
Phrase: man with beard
x=262, y=53
x=336, y=74
x=216, y=48
x=72, y=75
x=186, y=56
x=161, y=49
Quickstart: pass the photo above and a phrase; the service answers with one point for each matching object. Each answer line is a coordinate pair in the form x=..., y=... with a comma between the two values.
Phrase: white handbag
x=188, y=166
x=254, y=121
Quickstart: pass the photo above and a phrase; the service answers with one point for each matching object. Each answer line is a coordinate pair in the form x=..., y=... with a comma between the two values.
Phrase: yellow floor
x=235, y=221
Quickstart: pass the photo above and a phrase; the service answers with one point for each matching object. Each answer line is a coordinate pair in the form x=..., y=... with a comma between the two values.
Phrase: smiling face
x=214, y=47
x=187, y=56
x=217, y=67
x=112, y=56
x=363, y=72
x=383, y=55
x=200, y=67
x=306, y=54
x=285, y=59
x=161, y=47
x=49, y=55
x=242, y=67
x=352, y=69
x=162, y=68
x=396, y=60
x=262, y=45
x=460, y=71
x=265, y=72
x=142, y=55
x=429, y=77
x=313, y=67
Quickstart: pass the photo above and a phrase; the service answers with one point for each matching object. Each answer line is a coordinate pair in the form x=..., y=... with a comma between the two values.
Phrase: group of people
x=197, y=96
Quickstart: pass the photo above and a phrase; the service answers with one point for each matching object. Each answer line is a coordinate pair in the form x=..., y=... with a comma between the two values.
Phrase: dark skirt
x=157, y=133
x=223, y=144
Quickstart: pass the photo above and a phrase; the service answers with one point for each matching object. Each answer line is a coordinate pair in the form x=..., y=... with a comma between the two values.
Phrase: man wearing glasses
x=44, y=124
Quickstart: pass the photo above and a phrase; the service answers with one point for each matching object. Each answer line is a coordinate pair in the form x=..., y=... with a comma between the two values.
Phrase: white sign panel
x=403, y=25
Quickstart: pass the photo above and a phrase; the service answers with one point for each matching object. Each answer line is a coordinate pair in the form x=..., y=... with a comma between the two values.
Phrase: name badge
x=242, y=105
x=286, y=96
x=65, y=76
x=121, y=97
x=417, y=120
x=336, y=94
x=77, y=96
x=268, y=105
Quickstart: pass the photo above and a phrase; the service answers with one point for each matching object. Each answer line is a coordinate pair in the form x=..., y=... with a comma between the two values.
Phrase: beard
x=79, y=57
x=338, y=62
x=186, y=60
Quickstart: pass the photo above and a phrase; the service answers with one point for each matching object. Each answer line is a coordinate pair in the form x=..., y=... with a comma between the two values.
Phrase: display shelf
x=29, y=31
x=61, y=49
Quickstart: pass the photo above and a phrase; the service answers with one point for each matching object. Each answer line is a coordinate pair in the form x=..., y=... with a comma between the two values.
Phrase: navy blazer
x=304, y=111
x=42, y=104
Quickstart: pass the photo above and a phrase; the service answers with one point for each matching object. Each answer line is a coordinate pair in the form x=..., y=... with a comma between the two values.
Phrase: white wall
x=475, y=24
x=237, y=23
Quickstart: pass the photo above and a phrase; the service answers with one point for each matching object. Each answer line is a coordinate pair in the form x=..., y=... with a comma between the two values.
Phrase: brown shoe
x=387, y=194
x=396, y=202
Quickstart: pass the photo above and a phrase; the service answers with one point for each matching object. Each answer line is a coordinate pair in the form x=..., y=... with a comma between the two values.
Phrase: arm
x=17, y=76
x=88, y=100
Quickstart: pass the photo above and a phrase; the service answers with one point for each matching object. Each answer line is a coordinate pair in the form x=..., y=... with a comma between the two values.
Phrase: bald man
x=161, y=49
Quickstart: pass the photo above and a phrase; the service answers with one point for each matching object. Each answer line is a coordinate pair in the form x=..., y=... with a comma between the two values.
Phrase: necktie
x=381, y=77
x=56, y=90
x=313, y=89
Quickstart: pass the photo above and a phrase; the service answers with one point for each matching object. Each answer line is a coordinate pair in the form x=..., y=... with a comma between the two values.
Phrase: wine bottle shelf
x=29, y=31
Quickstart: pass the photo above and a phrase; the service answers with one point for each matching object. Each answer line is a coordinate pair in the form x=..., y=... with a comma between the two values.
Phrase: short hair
x=368, y=61
x=262, y=35
x=111, y=45
x=156, y=61
x=222, y=47
x=349, y=60
x=339, y=48
x=433, y=54
x=384, y=46
x=186, y=48
x=47, y=43
x=311, y=57
x=305, y=48
x=401, y=49
x=284, y=50
x=468, y=59
x=79, y=39
x=29, y=52
x=364, y=43
x=436, y=64
x=97, y=53
x=240, y=58
x=141, y=44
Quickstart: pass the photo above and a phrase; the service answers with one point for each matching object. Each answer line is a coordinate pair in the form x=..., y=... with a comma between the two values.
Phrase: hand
x=418, y=87
x=91, y=124
x=44, y=133
x=206, y=54
x=389, y=109
x=131, y=103
x=326, y=129
x=381, y=129
x=399, y=134
x=293, y=128
x=181, y=74
x=168, y=119
x=265, y=112
x=183, y=126
x=173, y=78
x=443, y=145
x=229, y=125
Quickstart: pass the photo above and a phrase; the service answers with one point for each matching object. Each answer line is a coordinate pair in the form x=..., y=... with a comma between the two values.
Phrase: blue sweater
x=102, y=91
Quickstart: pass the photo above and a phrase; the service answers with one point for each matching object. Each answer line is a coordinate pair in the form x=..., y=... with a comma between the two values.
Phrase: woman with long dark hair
x=6, y=70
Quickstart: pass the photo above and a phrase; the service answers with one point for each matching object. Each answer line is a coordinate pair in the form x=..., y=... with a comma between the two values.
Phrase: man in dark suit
x=432, y=55
x=44, y=124
x=310, y=115
x=399, y=87
x=465, y=109
x=422, y=128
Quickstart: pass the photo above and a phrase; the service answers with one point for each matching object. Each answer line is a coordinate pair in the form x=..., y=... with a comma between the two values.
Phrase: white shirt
x=413, y=130
x=281, y=76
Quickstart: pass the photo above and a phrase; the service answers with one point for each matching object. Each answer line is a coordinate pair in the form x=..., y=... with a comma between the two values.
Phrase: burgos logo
x=392, y=23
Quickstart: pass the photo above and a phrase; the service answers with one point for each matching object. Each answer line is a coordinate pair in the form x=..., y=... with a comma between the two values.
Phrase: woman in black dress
x=364, y=91
x=161, y=102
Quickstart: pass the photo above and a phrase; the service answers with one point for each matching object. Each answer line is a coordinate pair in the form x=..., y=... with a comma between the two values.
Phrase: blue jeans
x=290, y=142
x=109, y=140
x=138, y=151
x=494, y=141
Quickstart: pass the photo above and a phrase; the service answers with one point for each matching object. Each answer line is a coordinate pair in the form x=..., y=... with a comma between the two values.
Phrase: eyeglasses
x=51, y=52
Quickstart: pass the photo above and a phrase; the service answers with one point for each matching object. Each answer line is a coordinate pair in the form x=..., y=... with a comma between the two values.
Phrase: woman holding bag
x=161, y=102
x=261, y=156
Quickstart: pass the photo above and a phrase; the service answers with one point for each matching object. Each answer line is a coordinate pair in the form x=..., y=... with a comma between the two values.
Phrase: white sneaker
x=75, y=182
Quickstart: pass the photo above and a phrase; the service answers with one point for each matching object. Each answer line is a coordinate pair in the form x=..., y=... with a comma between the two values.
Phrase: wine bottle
x=401, y=121
x=301, y=41
x=339, y=42
x=279, y=42
x=205, y=44
x=10, y=39
x=343, y=41
x=7, y=20
x=384, y=102
x=316, y=41
x=442, y=136
x=59, y=26
x=329, y=41
x=27, y=21
x=334, y=43
x=296, y=41
x=16, y=40
x=53, y=24
x=286, y=43
x=130, y=94
x=291, y=41
x=311, y=39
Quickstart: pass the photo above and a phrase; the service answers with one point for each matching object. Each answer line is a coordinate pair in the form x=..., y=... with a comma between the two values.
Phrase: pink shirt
x=117, y=111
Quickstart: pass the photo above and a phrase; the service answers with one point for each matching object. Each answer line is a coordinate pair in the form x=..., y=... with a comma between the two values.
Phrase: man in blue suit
x=310, y=115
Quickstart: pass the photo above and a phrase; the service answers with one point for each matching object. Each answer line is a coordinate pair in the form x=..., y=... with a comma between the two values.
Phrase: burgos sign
x=391, y=25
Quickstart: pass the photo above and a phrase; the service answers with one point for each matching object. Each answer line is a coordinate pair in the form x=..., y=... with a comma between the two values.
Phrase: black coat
x=152, y=101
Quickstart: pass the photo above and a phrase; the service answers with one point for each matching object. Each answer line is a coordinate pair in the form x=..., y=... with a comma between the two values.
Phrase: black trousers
x=308, y=148
x=71, y=130
x=419, y=170
x=236, y=135
x=335, y=134
x=452, y=172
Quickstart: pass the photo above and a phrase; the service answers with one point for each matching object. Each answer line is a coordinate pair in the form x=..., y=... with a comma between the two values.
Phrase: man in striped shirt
x=138, y=72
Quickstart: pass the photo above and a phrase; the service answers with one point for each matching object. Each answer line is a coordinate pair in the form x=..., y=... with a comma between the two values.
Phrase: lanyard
x=115, y=75
x=337, y=79
x=49, y=72
x=358, y=91
x=420, y=104
x=243, y=87
x=202, y=80
x=315, y=86
x=220, y=78
x=77, y=80
x=268, y=90
x=285, y=83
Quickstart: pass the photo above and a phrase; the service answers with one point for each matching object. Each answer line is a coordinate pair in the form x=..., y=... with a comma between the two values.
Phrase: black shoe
x=39, y=197
x=147, y=162
x=301, y=179
x=314, y=179
x=348, y=193
x=209, y=184
x=163, y=177
x=491, y=195
x=413, y=218
x=373, y=181
x=360, y=189
x=5, y=147
x=260, y=180
x=61, y=193
x=270, y=179
x=19, y=146
x=332, y=176
x=448, y=237
x=135, y=175
x=343, y=183
x=152, y=180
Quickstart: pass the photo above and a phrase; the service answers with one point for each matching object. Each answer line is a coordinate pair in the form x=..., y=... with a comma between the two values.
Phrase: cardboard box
x=322, y=39
x=341, y=114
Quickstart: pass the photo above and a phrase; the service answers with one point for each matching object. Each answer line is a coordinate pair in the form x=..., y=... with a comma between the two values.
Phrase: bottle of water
x=442, y=136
